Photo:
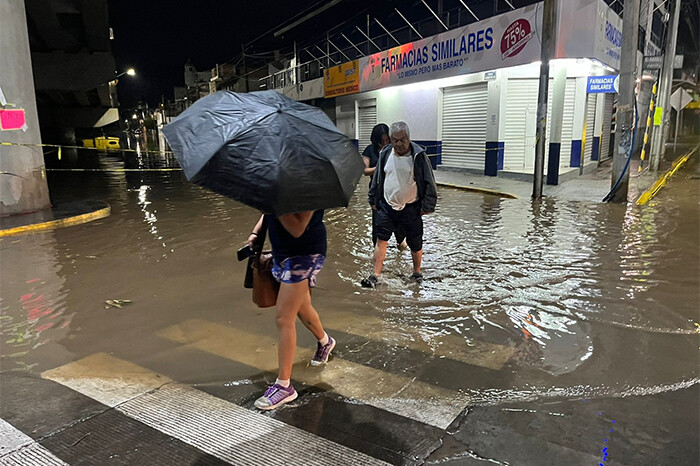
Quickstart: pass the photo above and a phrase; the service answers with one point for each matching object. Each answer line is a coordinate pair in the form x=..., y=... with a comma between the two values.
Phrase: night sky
x=157, y=37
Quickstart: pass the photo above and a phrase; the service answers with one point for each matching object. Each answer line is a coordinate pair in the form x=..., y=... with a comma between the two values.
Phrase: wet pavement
x=559, y=332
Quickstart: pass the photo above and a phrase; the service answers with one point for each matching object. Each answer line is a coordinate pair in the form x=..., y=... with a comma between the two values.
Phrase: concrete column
x=580, y=107
x=23, y=185
x=555, y=127
x=598, y=125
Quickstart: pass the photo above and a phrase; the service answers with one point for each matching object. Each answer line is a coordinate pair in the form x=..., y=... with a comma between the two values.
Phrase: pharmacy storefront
x=469, y=95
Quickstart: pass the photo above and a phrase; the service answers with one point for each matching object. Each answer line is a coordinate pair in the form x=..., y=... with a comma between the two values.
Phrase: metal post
x=245, y=69
x=387, y=31
x=650, y=119
x=549, y=39
x=678, y=120
x=368, y=33
x=626, y=98
x=351, y=43
x=661, y=133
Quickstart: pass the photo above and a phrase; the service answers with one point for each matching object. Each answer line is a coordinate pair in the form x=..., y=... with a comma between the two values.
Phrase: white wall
x=418, y=104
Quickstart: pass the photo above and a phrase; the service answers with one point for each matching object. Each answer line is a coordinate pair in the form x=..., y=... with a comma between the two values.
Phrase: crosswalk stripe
x=18, y=449
x=476, y=353
x=407, y=397
x=215, y=426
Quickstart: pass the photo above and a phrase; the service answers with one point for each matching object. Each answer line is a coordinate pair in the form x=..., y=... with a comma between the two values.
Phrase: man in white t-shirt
x=402, y=191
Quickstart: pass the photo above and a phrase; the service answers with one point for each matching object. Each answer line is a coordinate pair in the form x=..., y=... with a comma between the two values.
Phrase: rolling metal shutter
x=605, y=134
x=588, y=130
x=366, y=120
x=567, y=126
x=521, y=124
x=521, y=120
x=464, y=115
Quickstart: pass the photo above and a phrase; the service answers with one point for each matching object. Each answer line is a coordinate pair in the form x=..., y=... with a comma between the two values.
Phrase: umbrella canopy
x=267, y=151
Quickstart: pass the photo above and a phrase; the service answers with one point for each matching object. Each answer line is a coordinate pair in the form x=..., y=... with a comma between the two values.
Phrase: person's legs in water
x=374, y=231
x=384, y=227
x=289, y=302
x=309, y=317
x=411, y=221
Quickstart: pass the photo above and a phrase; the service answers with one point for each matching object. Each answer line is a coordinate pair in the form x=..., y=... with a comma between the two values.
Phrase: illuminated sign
x=506, y=40
x=603, y=84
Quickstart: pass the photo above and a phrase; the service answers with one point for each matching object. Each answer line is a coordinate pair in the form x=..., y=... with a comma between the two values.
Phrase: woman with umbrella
x=286, y=159
x=299, y=250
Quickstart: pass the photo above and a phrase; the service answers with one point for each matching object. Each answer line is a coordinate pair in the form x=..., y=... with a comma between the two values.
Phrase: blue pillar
x=553, y=163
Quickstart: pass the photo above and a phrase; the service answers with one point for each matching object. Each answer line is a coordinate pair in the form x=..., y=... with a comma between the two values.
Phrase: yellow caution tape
x=117, y=170
x=53, y=224
x=661, y=182
x=59, y=147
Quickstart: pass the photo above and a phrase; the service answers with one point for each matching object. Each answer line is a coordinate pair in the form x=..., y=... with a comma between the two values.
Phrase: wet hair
x=377, y=132
x=400, y=126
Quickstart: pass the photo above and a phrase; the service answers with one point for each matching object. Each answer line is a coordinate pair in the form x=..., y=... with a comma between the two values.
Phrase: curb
x=60, y=223
x=492, y=192
x=663, y=179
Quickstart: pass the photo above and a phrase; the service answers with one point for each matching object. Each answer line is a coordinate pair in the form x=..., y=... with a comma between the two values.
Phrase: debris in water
x=118, y=303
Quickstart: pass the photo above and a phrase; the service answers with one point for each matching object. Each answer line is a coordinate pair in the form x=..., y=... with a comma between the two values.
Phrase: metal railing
x=335, y=53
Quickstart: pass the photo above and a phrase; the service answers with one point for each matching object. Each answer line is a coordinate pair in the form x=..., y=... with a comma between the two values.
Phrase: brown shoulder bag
x=265, y=287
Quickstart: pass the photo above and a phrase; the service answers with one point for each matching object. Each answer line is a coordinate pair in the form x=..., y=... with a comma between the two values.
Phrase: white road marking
x=222, y=429
x=18, y=449
x=405, y=396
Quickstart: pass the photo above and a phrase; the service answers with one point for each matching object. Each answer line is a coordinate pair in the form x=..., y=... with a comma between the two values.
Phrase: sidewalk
x=58, y=215
x=590, y=187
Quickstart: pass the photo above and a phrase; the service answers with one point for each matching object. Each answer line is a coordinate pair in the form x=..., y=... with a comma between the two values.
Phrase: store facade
x=469, y=95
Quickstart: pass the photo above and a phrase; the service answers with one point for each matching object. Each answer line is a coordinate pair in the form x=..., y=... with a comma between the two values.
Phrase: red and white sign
x=12, y=119
x=515, y=37
x=465, y=50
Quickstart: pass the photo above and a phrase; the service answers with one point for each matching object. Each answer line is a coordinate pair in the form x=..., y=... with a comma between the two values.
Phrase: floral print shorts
x=298, y=268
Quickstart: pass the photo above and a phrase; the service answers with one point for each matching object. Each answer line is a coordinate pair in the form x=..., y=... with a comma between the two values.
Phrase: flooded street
x=552, y=302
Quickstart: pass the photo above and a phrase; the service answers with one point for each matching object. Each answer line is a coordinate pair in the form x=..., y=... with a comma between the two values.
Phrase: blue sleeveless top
x=284, y=245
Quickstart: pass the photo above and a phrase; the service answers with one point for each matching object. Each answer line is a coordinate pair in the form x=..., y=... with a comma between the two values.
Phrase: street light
x=130, y=72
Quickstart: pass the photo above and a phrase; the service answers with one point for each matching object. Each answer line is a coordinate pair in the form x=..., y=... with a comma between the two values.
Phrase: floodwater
x=592, y=300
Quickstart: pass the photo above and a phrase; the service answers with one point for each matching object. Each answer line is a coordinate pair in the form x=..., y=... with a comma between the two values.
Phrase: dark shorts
x=387, y=221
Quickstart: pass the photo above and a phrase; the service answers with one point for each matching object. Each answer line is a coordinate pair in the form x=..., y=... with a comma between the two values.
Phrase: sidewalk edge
x=663, y=179
x=60, y=223
x=475, y=189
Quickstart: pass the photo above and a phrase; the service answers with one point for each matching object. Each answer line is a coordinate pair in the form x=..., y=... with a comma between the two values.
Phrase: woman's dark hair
x=377, y=132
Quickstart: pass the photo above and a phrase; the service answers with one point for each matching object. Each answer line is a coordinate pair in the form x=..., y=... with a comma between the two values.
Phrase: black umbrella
x=267, y=151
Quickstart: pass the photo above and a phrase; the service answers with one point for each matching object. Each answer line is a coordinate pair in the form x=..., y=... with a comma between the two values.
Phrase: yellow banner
x=340, y=80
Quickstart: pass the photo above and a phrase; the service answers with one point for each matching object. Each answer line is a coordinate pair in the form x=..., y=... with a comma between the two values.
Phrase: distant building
x=73, y=66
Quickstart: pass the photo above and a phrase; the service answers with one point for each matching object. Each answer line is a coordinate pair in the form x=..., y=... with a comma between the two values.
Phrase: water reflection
x=580, y=292
x=34, y=316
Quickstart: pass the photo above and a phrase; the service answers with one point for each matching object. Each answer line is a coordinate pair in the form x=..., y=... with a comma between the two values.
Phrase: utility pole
x=549, y=40
x=658, y=144
x=245, y=68
x=626, y=98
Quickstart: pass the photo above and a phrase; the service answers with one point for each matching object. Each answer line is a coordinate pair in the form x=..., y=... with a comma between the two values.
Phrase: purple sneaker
x=276, y=395
x=322, y=353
